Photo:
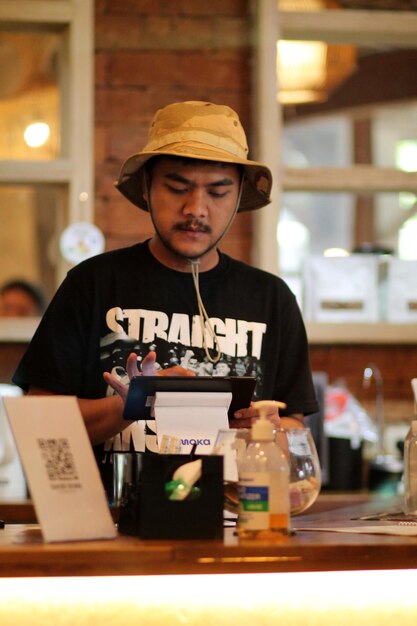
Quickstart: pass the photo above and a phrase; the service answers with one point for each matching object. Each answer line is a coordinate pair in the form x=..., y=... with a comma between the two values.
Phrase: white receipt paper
x=192, y=417
x=402, y=529
x=60, y=468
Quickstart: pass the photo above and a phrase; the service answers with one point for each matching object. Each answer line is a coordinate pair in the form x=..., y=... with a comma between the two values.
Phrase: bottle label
x=410, y=475
x=262, y=497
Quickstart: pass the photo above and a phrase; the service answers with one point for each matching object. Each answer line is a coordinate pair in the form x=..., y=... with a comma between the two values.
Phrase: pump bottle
x=264, y=505
x=410, y=470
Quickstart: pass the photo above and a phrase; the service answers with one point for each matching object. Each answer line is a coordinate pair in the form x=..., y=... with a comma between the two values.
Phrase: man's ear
x=146, y=184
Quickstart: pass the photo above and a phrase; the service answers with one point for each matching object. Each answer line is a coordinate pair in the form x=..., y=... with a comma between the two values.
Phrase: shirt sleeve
x=294, y=379
x=56, y=356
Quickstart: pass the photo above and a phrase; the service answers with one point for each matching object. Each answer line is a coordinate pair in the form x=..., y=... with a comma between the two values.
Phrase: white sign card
x=191, y=419
x=12, y=478
x=60, y=468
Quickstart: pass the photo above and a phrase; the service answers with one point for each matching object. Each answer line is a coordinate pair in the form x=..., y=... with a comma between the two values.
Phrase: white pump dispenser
x=410, y=470
x=410, y=461
x=263, y=428
x=264, y=507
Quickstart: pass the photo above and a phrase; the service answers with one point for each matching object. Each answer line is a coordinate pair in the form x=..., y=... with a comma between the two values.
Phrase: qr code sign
x=58, y=459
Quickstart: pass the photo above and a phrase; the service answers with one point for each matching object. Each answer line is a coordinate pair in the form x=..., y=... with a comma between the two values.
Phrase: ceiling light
x=308, y=71
x=301, y=70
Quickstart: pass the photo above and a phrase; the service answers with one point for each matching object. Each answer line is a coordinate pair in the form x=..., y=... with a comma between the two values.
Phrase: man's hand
x=244, y=418
x=148, y=369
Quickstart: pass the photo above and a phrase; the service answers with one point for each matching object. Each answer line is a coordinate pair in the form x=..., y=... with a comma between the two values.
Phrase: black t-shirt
x=126, y=301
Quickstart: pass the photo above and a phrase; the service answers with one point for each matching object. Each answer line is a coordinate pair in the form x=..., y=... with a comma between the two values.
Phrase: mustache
x=194, y=225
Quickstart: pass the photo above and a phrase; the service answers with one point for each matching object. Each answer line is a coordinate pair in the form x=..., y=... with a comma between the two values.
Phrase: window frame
x=332, y=26
x=75, y=169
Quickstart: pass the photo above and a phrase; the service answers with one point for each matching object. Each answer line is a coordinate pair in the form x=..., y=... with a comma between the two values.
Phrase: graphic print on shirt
x=177, y=340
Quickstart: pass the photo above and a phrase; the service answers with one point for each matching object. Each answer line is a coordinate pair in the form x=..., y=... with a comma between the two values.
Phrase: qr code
x=58, y=459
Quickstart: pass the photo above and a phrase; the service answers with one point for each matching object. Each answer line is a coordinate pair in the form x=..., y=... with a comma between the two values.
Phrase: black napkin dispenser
x=146, y=510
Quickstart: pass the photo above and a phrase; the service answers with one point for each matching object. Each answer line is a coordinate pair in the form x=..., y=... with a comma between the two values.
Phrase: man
x=177, y=292
x=20, y=298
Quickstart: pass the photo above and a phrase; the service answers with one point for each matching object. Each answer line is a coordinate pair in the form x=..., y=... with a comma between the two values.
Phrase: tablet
x=143, y=388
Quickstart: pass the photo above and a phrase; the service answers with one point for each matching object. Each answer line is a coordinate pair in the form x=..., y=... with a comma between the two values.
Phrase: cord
x=205, y=322
x=203, y=316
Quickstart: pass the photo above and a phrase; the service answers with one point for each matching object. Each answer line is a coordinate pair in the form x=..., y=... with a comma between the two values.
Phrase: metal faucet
x=372, y=371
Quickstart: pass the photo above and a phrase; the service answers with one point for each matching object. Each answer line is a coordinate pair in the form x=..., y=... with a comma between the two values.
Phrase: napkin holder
x=146, y=510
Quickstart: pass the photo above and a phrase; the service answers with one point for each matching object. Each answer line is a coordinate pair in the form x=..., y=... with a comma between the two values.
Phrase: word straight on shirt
x=236, y=337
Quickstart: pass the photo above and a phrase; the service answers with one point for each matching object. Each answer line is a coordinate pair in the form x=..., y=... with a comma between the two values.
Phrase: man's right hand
x=148, y=369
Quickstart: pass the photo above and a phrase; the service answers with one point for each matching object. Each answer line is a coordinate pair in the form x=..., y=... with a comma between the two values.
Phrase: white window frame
x=347, y=26
x=75, y=169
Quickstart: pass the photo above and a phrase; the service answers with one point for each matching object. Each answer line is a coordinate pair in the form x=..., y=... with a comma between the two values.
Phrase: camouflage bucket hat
x=197, y=130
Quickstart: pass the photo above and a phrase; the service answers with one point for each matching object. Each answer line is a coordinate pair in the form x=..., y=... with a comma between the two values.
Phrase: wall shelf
x=361, y=333
x=17, y=329
x=21, y=330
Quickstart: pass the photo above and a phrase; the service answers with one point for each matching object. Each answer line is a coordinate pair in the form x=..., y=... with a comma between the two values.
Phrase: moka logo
x=196, y=442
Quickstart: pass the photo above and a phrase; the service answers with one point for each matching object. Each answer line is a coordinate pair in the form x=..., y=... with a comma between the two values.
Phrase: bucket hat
x=197, y=130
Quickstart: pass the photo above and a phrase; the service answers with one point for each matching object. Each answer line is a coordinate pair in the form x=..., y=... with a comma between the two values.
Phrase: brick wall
x=149, y=53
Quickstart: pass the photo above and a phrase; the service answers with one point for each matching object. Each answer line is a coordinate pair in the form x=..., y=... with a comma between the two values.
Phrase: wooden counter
x=23, y=553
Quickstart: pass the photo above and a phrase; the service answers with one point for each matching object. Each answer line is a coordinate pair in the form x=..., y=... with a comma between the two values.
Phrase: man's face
x=191, y=205
x=17, y=303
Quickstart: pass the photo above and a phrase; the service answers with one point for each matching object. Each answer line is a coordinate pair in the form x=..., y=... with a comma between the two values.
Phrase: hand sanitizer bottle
x=410, y=470
x=264, y=504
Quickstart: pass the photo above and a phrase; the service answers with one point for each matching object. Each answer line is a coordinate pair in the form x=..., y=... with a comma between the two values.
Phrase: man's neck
x=180, y=263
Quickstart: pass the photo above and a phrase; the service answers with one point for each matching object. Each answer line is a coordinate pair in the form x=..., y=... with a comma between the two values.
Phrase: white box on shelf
x=341, y=289
x=402, y=290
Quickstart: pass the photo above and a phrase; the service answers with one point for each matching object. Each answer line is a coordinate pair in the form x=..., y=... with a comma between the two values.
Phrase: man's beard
x=184, y=226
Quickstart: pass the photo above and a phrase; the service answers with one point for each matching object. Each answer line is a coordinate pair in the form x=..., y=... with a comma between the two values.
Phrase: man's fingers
x=240, y=423
x=176, y=370
x=132, y=365
x=116, y=385
x=148, y=364
x=149, y=368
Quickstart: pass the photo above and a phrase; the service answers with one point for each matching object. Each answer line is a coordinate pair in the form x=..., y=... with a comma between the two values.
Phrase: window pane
x=32, y=218
x=394, y=136
x=384, y=136
x=379, y=225
x=30, y=95
x=321, y=142
x=345, y=220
